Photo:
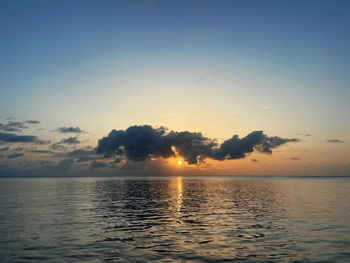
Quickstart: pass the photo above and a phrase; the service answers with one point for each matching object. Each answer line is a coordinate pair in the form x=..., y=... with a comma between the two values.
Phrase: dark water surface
x=197, y=219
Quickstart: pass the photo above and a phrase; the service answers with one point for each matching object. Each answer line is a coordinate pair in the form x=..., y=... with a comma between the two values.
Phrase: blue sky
x=218, y=67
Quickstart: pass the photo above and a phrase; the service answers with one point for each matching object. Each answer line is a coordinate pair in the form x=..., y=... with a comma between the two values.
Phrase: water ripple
x=174, y=219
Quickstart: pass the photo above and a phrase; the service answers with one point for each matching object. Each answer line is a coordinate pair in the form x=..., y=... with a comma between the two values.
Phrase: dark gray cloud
x=65, y=163
x=19, y=149
x=14, y=155
x=40, y=151
x=33, y=122
x=13, y=126
x=57, y=146
x=335, y=141
x=139, y=143
x=80, y=155
x=118, y=160
x=16, y=126
x=12, y=138
x=69, y=130
x=95, y=164
x=295, y=159
x=268, y=143
x=254, y=160
x=191, y=145
x=46, y=164
x=43, y=142
x=4, y=149
x=70, y=140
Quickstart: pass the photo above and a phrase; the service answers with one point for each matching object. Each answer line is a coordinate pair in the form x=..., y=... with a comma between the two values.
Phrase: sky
x=224, y=87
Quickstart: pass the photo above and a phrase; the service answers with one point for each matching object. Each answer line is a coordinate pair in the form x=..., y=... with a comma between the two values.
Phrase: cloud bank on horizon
x=140, y=143
x=138, y=148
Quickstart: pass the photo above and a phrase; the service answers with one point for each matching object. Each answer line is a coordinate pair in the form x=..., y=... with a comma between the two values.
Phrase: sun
x=179, y=162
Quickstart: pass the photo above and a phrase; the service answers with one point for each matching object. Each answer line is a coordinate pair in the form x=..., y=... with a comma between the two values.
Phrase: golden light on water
x=179, y=194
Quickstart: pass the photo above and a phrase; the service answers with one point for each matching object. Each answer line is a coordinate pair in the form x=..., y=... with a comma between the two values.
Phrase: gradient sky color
x=216, y=67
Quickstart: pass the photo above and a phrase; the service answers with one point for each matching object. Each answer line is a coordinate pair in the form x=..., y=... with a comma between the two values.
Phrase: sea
x=175, y=219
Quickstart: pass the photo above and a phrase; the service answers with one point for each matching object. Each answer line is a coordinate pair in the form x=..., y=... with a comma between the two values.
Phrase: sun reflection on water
x=179, y=198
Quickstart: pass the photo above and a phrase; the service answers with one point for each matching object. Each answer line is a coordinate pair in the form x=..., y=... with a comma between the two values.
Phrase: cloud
x=295, y=159
x=254, y=160
x=16, y=126
x=4, y=149
x=65, y=163
x=95, y=164
x=190, y=145
x=70, y=140
x=33, y=122
x=12, y=138
x=267, y=143
x=40, y=151
x=69, y=130
x=139, y=143
x=13, y=126
x=304, y=134
x=118, y=160
x=80, y=155
x=19, y=149
x=59, y=147
x=335, y=141
x=43, y=142
x=14, y=155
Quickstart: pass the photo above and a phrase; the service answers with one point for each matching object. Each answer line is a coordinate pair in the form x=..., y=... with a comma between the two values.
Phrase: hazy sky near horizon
x=221, y=68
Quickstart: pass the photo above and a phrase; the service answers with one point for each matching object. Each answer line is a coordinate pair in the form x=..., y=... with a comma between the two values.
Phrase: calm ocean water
x=196, y=219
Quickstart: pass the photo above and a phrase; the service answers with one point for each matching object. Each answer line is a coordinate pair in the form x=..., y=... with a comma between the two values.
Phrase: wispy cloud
x=13, y=138
x=65, y=163
x=40, y=151
x=33, y=122
x=69, y=130
x=96, y=164
x=70, y=140
x=335, y=141
x=16, y=126
x=14, y=155
x=4, y=149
